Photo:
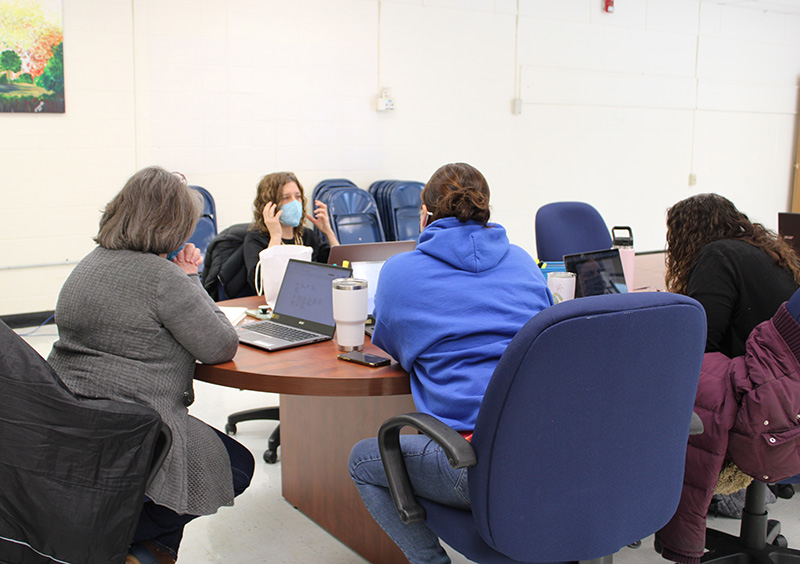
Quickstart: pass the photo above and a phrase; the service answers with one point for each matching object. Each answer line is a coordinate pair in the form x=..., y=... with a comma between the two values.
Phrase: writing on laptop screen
x=306, y=291
x=597, y=272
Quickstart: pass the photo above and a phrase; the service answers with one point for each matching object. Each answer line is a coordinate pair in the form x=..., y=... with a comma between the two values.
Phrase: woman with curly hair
x=278, y=217
x=738, y=270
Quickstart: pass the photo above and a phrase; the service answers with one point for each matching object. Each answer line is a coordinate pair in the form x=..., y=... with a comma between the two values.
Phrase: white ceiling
x=776, y=6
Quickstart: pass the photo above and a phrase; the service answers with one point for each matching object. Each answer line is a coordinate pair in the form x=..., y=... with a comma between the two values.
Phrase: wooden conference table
x=326, y=406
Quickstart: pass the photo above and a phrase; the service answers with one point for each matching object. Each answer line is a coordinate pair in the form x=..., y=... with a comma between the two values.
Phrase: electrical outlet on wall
x=385, y=102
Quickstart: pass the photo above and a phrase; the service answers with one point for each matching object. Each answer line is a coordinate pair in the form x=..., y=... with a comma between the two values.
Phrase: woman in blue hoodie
x=446, y=311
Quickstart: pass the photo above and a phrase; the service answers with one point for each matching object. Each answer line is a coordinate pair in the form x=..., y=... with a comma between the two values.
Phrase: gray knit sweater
x=130, y=327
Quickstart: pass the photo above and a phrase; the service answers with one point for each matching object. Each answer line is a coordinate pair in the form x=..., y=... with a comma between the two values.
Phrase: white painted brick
x=710, y=19
x=674, y=16
x=505, y=6
x=751, y=25
x=571, y=10
x=747, y=97
x=727, y=59
x=792, y=30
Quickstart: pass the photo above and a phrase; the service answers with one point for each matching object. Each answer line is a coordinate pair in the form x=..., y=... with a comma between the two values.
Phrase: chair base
x=759, y=541
x=262, y=413
x=603, y=560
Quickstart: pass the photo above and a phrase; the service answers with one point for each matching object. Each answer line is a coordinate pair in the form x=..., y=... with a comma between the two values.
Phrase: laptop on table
x=303, y=310
x=597, y=272
x=366, y=260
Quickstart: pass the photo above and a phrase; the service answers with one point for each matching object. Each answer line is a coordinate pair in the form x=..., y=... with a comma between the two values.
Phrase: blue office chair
x=564, y=228
x=580, y=442
x=73, y=470
x=206, y=228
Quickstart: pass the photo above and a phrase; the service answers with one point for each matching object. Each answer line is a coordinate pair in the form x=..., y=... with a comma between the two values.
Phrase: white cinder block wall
x=618, y=110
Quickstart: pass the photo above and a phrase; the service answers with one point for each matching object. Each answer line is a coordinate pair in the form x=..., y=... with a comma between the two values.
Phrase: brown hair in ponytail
x=457, y=190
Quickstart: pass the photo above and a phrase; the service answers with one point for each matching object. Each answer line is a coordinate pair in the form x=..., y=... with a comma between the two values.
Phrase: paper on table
x=234, y=314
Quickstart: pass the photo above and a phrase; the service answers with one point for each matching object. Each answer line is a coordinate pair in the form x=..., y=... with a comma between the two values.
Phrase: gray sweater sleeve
x=195, y=321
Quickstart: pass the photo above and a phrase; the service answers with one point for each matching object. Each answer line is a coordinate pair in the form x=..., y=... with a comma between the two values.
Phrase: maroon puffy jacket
x=750, y=407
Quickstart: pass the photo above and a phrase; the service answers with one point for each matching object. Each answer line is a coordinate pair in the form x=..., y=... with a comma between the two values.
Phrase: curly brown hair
x=702, y=219
x=270, y=190
x=457, y=190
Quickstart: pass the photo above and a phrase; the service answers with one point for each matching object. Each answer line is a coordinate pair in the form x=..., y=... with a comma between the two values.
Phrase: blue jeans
x=432, y=478
x=164, y=527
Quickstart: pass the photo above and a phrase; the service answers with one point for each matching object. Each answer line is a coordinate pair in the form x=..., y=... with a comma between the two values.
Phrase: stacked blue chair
x=206, y=228
x=353, y=212
x=399, y=202
x=324, y=185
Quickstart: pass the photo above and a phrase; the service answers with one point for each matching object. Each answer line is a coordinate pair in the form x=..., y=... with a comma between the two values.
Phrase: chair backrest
x=405, y=201
x=226, y=273
x=564, y=228
x=328, y=183
x=354, y=215
x=73, y=471
x=398, y=203
x=583, y=430
x=206, y=228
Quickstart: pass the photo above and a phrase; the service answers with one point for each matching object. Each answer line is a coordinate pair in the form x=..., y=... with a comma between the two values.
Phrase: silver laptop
x=366, y=260
x=303, y=311
x=361, y=252
x=597, y=272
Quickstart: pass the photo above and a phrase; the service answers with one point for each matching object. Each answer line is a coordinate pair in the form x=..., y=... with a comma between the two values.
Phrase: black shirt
x=255, y=242
x=739, y=286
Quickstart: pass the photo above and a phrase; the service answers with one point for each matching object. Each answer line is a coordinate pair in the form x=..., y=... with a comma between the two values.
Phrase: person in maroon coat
x=750, y=408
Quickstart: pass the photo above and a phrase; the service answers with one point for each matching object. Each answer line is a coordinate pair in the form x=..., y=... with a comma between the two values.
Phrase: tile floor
x=262, y=527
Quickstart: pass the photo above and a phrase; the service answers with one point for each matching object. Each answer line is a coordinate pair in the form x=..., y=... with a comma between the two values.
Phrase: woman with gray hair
x=131, y=325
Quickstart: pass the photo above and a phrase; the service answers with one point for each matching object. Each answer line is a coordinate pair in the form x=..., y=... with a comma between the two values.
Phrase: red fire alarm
x=608, y=6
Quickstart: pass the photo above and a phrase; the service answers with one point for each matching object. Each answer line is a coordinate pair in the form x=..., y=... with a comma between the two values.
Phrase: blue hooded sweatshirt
x=447, y=311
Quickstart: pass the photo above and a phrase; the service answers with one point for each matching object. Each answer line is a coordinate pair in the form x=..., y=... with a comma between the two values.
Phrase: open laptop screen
x=306, y=291
x=789, y=229
x=597, y=272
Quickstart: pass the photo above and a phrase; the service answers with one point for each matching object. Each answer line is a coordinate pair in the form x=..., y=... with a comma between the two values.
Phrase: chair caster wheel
x=270, y=456
x=230, y=428
x=637, y=544
x=781, y=542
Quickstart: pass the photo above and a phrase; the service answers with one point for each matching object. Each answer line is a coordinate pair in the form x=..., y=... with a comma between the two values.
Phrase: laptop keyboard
x=280, y=331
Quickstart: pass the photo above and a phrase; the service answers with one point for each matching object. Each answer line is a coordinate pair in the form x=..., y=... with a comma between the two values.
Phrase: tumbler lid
x=349, y=284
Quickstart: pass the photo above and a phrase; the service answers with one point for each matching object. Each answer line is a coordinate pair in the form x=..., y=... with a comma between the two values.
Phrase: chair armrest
x=163, y=444
x=460, y=454
x=696, y=426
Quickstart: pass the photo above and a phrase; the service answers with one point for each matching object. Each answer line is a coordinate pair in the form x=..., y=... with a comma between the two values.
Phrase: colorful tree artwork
x=31, y=56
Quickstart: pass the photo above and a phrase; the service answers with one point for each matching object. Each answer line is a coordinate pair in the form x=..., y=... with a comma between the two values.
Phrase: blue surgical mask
x=292, y=213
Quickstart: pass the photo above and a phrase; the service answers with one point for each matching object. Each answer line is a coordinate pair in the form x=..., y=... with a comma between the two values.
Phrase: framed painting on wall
x=31, y=56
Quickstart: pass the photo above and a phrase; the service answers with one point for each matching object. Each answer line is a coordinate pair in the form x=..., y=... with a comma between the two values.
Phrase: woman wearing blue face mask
x=278, y=217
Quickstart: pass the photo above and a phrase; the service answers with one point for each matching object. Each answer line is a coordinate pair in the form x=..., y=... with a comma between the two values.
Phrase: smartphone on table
x=359, y=357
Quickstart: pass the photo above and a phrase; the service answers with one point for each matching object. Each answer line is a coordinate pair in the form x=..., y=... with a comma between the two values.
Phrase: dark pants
x=164, y=527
